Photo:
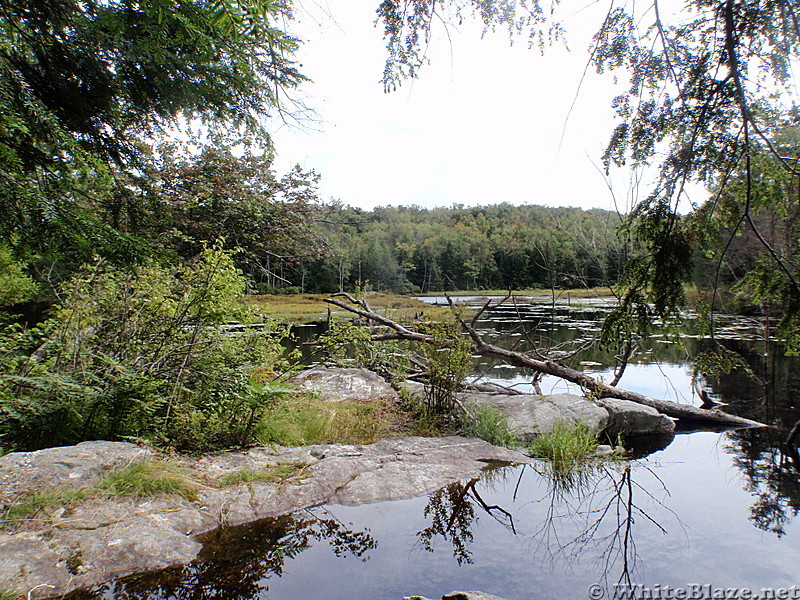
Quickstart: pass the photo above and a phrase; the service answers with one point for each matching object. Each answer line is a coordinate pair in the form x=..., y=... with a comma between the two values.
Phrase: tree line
x=501, y=246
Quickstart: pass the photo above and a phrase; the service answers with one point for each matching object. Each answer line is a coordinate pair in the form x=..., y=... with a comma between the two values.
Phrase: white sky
x=483, y=124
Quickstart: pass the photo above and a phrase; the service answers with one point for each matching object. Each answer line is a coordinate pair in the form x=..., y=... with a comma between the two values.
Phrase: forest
x=412, y=250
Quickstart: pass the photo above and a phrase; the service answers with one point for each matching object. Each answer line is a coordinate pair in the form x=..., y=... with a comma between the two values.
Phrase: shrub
x=144, y=354
x=15, y=285
x=348, y=344
x=449, y=361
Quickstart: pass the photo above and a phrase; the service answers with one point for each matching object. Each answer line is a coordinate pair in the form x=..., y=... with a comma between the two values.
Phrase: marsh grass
x=566, y=446
x=303, y=419
x=488, y=423
x=277, y=475
x=294, y=308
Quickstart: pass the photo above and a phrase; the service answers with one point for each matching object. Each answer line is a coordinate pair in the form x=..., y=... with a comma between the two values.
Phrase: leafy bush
x=348, y=344
x=141, y=353
x=449, y=361
x=15, y=285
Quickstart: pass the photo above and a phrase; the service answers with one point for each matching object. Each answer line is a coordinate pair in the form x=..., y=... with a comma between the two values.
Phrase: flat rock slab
x=94, y=541
x=530, y=416
x=338, y=385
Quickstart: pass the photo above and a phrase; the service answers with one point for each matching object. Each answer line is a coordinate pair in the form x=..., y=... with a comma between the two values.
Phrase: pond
x=706, y=513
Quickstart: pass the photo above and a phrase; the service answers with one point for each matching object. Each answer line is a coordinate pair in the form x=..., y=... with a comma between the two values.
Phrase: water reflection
x=451, y=511
x=238, y=563
x=587, y=519
x=772, y=477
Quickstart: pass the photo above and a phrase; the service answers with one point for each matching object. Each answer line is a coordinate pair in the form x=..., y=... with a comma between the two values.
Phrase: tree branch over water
x=544, y=366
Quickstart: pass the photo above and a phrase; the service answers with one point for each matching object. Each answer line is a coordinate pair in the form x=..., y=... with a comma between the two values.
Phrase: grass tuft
x=30, y=505
x=278, y=475
x=149, y=478
x=9, y=593
x=565, y=446
x=488, y=423
x=303, y=419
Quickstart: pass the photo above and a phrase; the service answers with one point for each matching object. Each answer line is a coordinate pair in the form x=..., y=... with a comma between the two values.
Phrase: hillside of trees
x=411, y=249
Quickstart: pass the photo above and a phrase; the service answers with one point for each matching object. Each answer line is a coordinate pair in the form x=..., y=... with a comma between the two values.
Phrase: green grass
x=488, y=423
x=566, y=446
x=9, y=593
x=139, y=479
x=303, y=419
x=149, y=478
x=295, y=308
x=278, y=475
x=572, y=293
x=32, y=504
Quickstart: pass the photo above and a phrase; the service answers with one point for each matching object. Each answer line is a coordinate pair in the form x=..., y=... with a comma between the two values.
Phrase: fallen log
x=595, y=387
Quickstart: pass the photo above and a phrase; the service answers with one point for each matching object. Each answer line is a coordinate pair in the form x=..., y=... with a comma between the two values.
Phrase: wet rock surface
x=89, y=542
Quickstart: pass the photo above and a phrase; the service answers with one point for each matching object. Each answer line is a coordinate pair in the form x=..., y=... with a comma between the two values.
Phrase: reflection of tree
x=236, y=562
x=771, y=476
x=452, y=514
x=594, y=512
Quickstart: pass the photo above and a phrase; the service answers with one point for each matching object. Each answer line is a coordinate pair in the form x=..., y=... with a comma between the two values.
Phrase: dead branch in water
x=543, y=366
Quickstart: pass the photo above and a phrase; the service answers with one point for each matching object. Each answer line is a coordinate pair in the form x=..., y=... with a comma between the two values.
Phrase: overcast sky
x=485, y=123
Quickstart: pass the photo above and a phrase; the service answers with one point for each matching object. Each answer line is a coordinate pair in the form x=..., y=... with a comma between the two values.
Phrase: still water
x=699, y=511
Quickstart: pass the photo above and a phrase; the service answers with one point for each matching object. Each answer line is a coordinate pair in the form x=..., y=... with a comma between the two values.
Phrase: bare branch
x=549, y=367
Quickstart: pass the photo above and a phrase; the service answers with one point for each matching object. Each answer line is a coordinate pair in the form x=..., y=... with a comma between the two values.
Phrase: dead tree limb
x=685, y=412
